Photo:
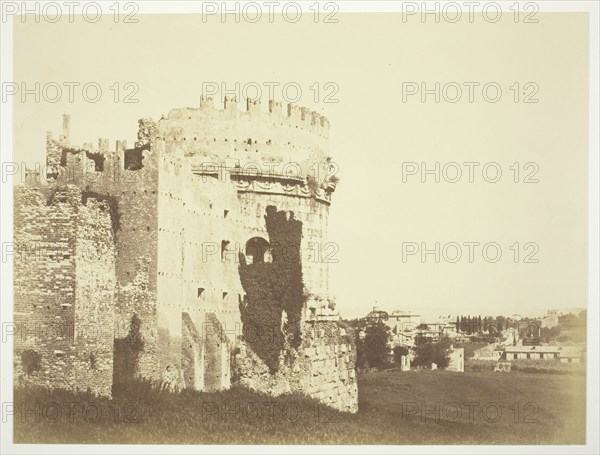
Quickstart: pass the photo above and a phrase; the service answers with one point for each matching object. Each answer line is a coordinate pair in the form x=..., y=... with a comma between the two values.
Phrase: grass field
x=426, y=407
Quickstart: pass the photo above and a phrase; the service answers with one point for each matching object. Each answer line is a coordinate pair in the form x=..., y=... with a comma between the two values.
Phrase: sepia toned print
x=299, y=225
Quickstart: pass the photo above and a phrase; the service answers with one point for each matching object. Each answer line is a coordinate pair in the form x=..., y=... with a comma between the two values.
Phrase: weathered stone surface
x=144, y=247
x=320, y=376
x=64, y=290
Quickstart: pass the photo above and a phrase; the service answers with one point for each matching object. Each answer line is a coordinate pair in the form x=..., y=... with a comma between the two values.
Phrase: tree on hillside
x=502, y=322
x=428, y=353
x=571, y=321
x=376, y=344
x=358, y=327
x=548, y=335
x=361, y=358
x=400, y=351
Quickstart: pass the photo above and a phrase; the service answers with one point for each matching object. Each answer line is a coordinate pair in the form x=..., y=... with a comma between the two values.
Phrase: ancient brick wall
x=64, y=340
x=136, y=300
x=136, y=193
x=95, y=283
x=44, y=288
x=127, y=179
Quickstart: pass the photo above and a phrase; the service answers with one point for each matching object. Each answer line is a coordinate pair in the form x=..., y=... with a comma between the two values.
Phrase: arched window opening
x=258, y=251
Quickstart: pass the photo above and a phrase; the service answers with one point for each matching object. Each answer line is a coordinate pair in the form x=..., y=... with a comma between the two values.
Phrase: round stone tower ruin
x=219, y=229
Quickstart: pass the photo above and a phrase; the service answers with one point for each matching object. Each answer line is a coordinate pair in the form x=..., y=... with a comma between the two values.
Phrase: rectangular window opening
x=224, y=248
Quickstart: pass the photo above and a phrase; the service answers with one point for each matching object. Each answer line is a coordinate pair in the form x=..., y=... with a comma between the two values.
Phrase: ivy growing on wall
x=272, y=309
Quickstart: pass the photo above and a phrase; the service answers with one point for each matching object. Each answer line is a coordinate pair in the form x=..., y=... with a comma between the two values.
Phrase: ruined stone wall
x=290, y=354
x=53, y=153
x=44, y=288
x=327, y=365
x=323, y=368
x=133, y=191
x=136, y=300
x=192, y=354
x=198, y=216
x=456, y=360
x=144, y=185
x=95, y=282
x=218, y=144
x=179, y=233
x=132, y=196
x=63, y=341
x=136, y=193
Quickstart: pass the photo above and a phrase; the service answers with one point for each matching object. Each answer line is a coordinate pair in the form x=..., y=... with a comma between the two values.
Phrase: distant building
x=529, y=332
x=405, y=363
x=571, y=354
x=435, y=331
x=550, y=320
x=511, y=337
x=490, y=352
x=457, y=360
x=531, y=352
x=403, y=325
x=566, y=354
x=406, y=326
x=377, y=315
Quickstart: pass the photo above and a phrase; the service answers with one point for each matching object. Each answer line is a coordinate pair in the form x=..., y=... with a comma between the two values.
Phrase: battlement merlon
x=58, y=154
x=56, y=149
x=292, y=116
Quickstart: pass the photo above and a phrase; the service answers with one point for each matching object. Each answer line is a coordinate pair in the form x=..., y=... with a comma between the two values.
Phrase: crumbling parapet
x=147, y=132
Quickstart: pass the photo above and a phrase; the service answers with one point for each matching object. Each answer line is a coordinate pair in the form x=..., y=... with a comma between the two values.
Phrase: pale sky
x=373, y=132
